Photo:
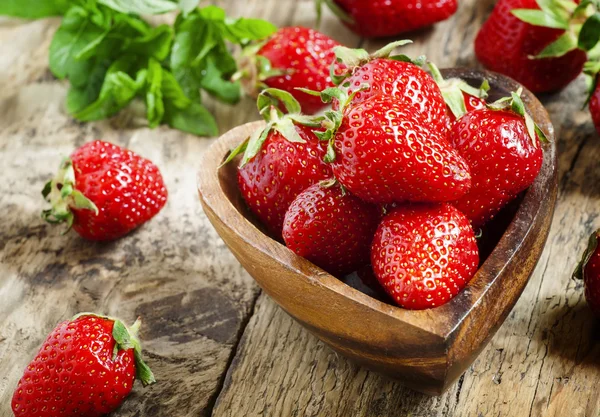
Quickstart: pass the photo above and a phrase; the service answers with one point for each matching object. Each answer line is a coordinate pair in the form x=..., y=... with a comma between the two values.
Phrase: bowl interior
x=502, y=236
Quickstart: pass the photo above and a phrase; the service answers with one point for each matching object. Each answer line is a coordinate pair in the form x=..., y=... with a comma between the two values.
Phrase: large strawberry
x=280, y=161
x=382, y=152
x=331, y=228
x=293, y=57
x=423, y=255
x=381, y=18
x=502, y=147
x=86, y=367
x=104, y=191
x=589, y=270
x=541, y=58
x=396, y=76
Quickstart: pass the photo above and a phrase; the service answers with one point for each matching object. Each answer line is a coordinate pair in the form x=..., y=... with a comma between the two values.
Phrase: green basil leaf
x=172, y=91
x=242, y=30
x=140, y=6
x=187, y=6
x=212, y=13
x=194, y=119
x=218, y=85
x=157, y=43
x=33, y=9
x=590, y=32
x=154, y=99
x=89, y=83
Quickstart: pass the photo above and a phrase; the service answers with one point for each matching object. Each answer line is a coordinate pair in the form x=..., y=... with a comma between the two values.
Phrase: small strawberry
x=382, y=18
x=382, y=152
x=423, y=255
x=280, y=161
x=104, y=191
x=592, y=69
x=595, y=107
x=514, y=42
x=86, y=367
x=501, y=144
x=331, y=228
x=293, y=57
x=589, y=270
x=397, y=76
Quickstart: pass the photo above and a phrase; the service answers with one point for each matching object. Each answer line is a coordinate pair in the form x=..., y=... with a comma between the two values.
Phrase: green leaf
x=212, y=13
x=275, y=97
x=350, y=57
x=563, y=45
x=218, y=85
x=148, y=7
x=242, y=30
x=540, y=18
x=579, y=272
x=172, y=91
x=83, y=93
x=238, y=150
x=590, y=33
x=389, y=48
x=157, y=43
x=187, y=6
x=33, y=9
x=287, y=129
x=257, y=139
x=154, y=99
x=194, y=119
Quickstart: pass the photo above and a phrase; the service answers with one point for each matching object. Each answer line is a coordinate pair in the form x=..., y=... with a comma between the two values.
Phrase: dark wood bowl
x=426, y=350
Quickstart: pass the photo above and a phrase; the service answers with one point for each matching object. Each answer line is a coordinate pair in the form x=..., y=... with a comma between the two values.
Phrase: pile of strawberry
x=399, y=173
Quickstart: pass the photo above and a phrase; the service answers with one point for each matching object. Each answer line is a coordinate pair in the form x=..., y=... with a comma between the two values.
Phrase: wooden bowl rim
x=441, y=320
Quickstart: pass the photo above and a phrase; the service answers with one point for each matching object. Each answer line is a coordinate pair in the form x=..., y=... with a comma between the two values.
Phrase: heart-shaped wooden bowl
x=426, y=350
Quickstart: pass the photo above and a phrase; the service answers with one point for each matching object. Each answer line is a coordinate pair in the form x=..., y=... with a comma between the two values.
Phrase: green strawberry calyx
x=515, y=104
x=580, y=22
x=579, y=272
x=61, y=193
x=355, y=58
x=254, y=69
x=453, y=88
x=126, y=337
x=270, y=102
x=591, y=69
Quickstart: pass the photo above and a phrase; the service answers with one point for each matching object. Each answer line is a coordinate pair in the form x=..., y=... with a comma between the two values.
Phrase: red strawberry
x=423, y=255
x=504, y=157
x=595, y=107
x=293, y=57
x=507, y=45
x=105, y=191
x=280, y=161
x=381, y=18
x=369, y=76
x=589, y=270
x=86, y=367
x=331, y=228
x=382, y=152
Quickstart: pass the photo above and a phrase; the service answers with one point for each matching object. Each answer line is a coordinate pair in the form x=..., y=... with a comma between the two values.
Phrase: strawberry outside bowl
x=426, y=350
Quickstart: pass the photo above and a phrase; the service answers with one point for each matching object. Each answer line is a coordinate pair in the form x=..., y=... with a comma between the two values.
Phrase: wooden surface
x=217, y=348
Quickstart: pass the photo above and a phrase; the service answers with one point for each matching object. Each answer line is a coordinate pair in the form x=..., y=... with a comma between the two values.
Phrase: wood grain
x=542, y=362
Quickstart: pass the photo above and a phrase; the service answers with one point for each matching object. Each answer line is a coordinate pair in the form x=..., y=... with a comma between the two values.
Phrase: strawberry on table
x=541, y=58
x=423, y=255
x=589, y=270
x=502, y=146
x=279, y=161
x=104, y=191
x=293, y=57
x=86, y=367
x=331, y=228
x=382, y=18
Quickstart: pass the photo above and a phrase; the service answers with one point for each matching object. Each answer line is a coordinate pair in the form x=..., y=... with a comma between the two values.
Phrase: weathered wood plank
x=543, y=360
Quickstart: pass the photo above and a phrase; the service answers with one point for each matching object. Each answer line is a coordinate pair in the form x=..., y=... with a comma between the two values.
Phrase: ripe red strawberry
x=331, y=228
x=589, y=270
x=369, y=76
x=86, y=367
x=280, y=161
x=104, y=191
x=293, y=57
x=505, y=157
x=382, y=18
x=383, y=153
x=507, y=45
x=423, y=255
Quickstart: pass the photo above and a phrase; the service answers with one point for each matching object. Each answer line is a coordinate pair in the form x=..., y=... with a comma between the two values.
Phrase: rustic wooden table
x=217, y=345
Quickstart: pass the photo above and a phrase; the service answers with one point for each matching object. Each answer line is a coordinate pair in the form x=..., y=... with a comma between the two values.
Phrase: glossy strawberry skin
x=423, y=255
x=305, y=55
x=503, y=158
x=74, y=373
x=331, y=229
x=381, y=18
x=127, y=189
x=504, y=44
x=405, y=82
x=592, y=281
x=595, y=107
x=278, y=173
x=385, y=154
